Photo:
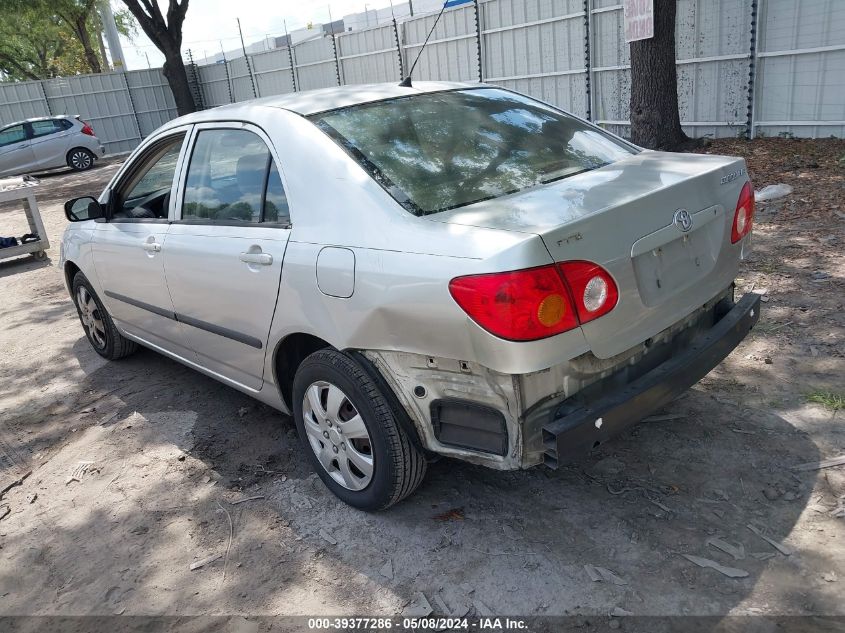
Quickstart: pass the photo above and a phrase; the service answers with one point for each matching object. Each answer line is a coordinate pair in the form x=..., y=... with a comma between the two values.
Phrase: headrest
x=250, y=172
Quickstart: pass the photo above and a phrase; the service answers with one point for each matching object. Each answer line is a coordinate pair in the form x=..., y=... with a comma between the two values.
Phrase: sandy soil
x=171, y=452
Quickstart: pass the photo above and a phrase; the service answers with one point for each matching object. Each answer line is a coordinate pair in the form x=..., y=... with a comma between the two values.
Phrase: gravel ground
x=171, y=452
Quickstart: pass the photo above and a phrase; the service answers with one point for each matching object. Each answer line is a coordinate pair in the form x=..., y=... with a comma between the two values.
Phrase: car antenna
x=406, y=82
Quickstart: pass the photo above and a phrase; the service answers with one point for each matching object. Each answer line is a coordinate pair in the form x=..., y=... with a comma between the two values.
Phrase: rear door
x=224, y=251
x=50, y=139
x=16, y=155
x=128, y=247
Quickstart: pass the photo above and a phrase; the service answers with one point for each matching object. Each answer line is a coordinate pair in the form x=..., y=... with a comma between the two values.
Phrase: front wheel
x=98, y=324
x=80, y=159
x=351, y=433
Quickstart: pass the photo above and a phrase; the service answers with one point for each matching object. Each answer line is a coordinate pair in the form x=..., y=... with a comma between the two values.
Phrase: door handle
x=153, y=247
x=264, y=259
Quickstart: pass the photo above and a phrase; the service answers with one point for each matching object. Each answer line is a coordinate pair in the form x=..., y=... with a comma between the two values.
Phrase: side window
x=227, y=177
x=14, y=134
x=275, y=201
x=146, y=191
x=43, y=128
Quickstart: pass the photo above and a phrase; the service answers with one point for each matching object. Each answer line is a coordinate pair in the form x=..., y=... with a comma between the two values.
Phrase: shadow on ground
x=171, y=450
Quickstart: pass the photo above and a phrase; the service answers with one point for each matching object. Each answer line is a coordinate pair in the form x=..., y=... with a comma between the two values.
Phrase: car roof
x=37, y=118
x=313, y=101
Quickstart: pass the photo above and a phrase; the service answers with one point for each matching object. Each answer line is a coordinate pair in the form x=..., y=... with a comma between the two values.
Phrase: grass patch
x=827, y=399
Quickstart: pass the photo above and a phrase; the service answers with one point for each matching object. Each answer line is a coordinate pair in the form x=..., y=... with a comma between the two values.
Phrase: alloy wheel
x=81, y=160
x=337, y=435
x=92, y=320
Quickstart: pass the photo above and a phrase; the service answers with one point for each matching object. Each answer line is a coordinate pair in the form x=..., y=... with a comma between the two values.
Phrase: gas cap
x=336, y=272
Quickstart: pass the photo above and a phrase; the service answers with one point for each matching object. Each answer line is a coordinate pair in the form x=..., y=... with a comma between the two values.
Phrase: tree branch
x=13, y=63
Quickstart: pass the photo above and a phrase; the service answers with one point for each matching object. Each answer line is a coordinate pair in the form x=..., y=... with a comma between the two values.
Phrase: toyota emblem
x=683, y=220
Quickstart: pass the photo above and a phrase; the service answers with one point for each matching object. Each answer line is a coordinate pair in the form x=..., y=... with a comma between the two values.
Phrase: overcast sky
x=210, y=21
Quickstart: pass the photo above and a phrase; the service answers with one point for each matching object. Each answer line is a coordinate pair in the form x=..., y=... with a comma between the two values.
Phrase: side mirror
x=85, y=208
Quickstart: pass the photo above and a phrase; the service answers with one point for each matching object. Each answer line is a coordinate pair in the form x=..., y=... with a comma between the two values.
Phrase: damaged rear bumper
x=577, y=425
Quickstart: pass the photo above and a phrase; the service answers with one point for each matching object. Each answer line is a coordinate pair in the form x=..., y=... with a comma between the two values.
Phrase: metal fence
x=122, y=108
x=745, y=67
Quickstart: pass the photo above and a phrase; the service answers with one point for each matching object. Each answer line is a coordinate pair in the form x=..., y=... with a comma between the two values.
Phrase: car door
x=128, y=246
x=224, y=252
x=16, y=155
x=49, y=142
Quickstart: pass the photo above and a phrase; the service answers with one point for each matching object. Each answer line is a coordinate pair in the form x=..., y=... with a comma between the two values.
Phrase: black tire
x=80, y=159
x=398, y=465
x=108, y=342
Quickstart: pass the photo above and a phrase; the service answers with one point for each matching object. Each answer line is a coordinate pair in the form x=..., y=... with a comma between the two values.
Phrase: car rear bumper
x=577, y=426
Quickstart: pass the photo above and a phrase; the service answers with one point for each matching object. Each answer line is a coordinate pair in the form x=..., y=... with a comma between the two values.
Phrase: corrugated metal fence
x=123, y=108
x=758, y=67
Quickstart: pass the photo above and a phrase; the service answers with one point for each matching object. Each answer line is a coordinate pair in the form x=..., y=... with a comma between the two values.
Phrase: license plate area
x=669, y=261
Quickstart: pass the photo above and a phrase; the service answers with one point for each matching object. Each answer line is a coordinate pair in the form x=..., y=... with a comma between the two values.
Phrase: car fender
x=75, y=248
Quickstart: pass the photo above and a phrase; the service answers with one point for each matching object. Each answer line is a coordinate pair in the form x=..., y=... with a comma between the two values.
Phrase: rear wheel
x=351, y=433
x=98, y=324
x=80, y=159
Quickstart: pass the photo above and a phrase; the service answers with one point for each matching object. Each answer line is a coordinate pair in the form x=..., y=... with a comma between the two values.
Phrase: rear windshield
x=443, y=150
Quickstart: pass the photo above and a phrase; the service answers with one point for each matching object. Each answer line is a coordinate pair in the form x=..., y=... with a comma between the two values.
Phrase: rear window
x=438, y=151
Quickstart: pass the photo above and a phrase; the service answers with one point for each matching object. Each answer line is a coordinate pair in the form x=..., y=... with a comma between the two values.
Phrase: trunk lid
x=622, y=216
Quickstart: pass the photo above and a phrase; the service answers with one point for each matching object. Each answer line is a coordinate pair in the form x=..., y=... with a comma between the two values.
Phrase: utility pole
x=112, y=36
x=246, y=59
x=290, y=56
x=228, y=78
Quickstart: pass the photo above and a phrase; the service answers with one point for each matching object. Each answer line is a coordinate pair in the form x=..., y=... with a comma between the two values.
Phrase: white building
x=373, y=17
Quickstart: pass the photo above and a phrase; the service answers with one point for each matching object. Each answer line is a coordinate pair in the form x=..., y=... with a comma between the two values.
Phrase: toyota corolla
x=439, y=270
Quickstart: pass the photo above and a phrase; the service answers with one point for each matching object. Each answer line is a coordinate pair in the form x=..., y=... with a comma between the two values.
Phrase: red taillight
x=530, y=304
x=744, y=214
x=87, y=129
x=593, y=289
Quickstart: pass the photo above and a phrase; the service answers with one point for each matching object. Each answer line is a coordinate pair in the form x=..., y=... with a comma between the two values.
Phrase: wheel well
x=70, y=272
x=290, y=353
x=84, y=149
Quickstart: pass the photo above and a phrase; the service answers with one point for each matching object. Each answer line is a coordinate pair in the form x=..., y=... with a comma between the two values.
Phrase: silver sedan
x=444, y=270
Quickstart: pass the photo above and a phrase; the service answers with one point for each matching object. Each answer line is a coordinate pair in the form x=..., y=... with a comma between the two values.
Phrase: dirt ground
x=170, y=454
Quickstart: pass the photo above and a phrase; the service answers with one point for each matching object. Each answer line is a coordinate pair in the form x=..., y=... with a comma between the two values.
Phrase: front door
x=224, y=252
x=128, y=247
x=16, y=155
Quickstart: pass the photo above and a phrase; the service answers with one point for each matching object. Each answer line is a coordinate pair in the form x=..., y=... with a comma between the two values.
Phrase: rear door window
x=44, y=128
x=232, y=178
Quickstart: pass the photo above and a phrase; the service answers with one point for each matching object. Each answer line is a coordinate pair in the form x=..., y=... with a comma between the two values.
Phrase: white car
x=443, y=269
x=48, y=143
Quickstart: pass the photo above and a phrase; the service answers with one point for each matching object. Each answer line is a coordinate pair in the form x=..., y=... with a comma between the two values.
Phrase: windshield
x=438, y=151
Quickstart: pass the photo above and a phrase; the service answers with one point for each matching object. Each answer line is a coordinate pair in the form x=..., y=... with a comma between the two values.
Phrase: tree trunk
x=655, y=122
x=85, y=39
x=177, y=79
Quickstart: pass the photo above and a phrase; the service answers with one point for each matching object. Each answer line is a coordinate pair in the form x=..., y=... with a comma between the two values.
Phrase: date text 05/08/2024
x=418, y=624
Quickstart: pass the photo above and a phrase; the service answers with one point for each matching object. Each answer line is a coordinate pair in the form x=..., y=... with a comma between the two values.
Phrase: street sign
x=639, y=19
